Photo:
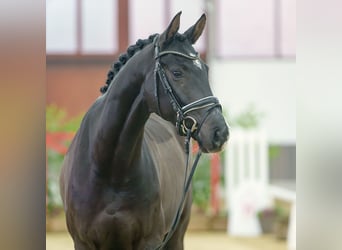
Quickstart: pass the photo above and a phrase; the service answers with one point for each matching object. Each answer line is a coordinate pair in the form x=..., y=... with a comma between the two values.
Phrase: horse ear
x=195, y=31
x=173, y=27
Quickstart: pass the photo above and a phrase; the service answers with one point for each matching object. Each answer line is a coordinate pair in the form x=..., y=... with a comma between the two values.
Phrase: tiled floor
x=193, y=241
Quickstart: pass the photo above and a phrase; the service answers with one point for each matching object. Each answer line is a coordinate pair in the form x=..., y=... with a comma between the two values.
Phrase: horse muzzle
x=214, y=133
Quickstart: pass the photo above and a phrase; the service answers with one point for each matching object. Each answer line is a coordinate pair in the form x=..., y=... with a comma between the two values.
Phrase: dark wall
x=74, y=84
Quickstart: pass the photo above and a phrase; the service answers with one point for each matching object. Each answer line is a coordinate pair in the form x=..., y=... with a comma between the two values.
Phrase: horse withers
x=123, y=177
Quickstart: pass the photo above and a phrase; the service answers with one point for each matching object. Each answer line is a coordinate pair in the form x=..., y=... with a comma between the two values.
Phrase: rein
x=182, y=124
x=187, y=182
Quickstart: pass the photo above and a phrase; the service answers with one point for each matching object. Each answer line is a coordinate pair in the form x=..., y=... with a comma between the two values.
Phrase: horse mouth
x=213, y=141
x=211, y=148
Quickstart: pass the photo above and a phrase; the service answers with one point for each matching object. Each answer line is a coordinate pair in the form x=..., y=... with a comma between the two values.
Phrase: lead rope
x=187, y=182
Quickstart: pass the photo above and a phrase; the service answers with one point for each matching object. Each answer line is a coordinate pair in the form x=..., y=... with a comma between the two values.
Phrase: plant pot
x=267, y=220
x=281, y=228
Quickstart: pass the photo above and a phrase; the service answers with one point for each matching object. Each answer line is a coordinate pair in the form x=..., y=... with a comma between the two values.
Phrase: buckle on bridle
x=186, y=123
x=185, y=127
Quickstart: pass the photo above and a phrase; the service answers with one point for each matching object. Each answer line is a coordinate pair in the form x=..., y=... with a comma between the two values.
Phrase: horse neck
x=120, y=130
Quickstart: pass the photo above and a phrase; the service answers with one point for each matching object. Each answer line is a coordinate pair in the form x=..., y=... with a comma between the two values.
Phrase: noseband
x=185, y=123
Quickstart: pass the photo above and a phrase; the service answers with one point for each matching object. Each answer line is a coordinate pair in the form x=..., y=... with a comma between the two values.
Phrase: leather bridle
x=182, y=123
x=183, y=112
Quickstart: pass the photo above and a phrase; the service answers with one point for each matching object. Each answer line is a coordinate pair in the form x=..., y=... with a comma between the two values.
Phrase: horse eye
x=177, y=73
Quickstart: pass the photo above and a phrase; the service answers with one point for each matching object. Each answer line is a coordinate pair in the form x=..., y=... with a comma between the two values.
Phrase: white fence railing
x=247, y=180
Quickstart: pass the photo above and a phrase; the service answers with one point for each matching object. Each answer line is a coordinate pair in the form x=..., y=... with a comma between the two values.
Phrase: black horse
x=123, y=176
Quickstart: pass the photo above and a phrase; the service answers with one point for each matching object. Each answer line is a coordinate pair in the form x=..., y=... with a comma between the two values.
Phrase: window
x=244, y=28
x=288, y=27
x=248, y=28
x=61, y=26
x=99, y=27
x=145, y=18
x=81, y=27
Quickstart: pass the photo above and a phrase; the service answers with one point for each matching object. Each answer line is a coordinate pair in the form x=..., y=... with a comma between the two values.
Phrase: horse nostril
x=220, y=137
x=217, y=138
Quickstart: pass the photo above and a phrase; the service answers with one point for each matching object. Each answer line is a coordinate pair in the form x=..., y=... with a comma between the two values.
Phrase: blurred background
x=244, y=197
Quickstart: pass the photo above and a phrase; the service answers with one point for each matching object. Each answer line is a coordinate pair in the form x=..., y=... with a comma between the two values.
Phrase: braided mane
x=123, y=58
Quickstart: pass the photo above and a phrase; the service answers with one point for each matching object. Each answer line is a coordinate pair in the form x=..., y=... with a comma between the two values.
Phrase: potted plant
x=281, y=223
x=267, y=219
x=274, y=220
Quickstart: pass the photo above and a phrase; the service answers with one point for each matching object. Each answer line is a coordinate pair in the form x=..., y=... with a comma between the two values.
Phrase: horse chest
x=129, y=215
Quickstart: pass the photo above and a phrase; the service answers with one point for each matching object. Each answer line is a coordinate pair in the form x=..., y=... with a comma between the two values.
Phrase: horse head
x=181, y=90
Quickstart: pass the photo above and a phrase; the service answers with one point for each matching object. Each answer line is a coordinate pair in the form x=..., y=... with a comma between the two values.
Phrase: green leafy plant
x=55, y=160
x=57, y=121
x=274, y=220
x=59, y=132
x=201, y=183
x=247, y=119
